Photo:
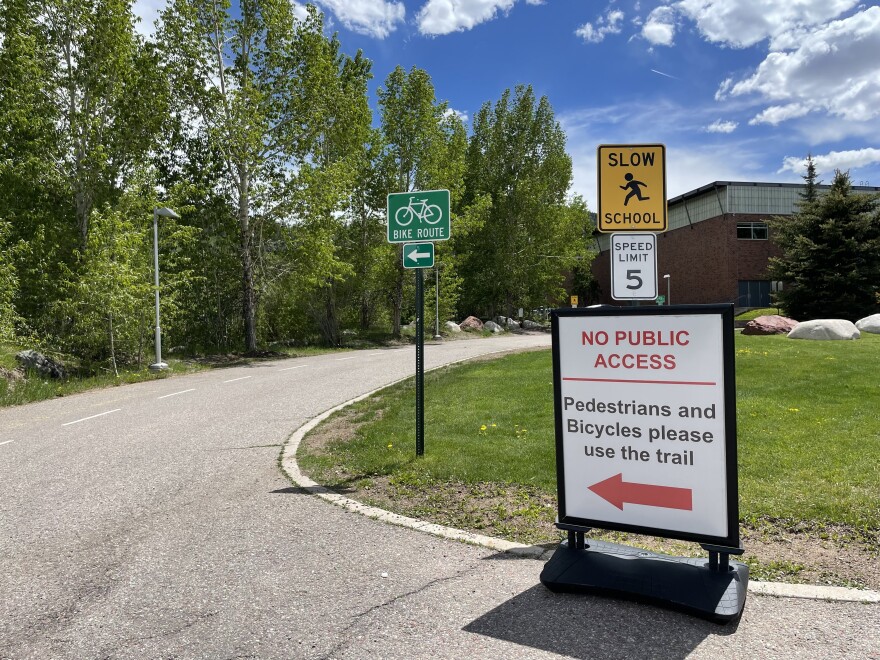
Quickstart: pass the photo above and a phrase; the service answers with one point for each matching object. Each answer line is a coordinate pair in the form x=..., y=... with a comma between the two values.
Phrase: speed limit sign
x=633, y=266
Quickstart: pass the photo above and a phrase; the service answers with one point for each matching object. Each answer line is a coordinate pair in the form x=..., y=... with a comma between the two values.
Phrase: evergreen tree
x=831, y=253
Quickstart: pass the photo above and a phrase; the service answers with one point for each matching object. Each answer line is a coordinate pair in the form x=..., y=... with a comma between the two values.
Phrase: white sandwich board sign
x=646, y=421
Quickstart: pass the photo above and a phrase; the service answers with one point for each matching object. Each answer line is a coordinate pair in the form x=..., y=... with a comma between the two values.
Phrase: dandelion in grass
x=483, y=429
x=794, y=410
x=390, y=445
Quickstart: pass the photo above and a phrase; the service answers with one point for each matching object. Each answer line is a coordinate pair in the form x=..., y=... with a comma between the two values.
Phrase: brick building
x=717, y=243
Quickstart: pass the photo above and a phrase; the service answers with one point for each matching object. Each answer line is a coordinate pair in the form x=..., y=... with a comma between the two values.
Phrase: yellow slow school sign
x=632, y=187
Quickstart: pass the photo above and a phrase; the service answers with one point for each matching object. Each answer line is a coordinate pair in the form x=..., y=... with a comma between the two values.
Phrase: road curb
x=291, y=468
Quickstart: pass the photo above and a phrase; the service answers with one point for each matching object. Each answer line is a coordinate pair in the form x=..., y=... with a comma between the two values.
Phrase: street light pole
x=165, y=213
x=437, y=302
x=668, y=287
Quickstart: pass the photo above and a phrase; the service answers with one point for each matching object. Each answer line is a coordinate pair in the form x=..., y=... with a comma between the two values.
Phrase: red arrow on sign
x=617, y=491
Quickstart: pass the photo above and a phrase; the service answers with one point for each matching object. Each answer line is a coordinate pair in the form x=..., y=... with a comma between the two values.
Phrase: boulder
x=771, y=324
x=472, y=323
x=11, y=377
x=31, y=360
x=452, y=326
x=492, y=327
x=869, y=324
x=825, y=329
x=531, y=325
x=509, y=323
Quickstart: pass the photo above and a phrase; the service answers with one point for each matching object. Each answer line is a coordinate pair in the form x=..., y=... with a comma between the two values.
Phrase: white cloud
x=834, y=69
x=659, y=28
x=693, y=158
x=719, y=126
x=375, y=18
x=458, y=113
x=300, y=12
x=445, y=16
x=743, y=23
x=776, y=114
x=148, y=12
x=834, y=160
x=607, y=24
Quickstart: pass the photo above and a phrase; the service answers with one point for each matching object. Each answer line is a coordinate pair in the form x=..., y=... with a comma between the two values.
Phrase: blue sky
x=735, y=89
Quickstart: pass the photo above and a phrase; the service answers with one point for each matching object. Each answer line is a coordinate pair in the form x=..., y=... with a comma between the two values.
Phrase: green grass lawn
x=808, y=430
x=755, y=313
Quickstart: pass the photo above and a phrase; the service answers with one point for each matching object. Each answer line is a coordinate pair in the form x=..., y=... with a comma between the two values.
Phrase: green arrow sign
x=418, y=216
x=418, y=255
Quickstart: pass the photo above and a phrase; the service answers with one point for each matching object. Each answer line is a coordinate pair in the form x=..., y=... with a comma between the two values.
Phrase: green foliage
x=423, y=149
x=8, y=287
x=107, y=299
x=258, y=128
x=107, y=308
x=831, y=254
x=280, y=114
x=524, y=233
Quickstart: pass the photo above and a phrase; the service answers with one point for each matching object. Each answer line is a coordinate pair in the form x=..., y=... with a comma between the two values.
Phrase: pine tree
x=831, y=253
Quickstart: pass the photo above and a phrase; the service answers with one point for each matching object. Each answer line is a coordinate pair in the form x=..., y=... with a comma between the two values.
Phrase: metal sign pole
x=420, y=363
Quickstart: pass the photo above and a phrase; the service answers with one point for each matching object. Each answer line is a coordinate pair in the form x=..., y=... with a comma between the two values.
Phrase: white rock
x=493, y=327
x=452, y=326
x=825, y=329
x=869, y=324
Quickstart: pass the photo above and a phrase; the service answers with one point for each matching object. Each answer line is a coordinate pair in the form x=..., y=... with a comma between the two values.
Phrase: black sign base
x=679, y=583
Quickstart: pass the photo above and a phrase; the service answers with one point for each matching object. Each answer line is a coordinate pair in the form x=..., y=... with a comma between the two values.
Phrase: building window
x=752, y=231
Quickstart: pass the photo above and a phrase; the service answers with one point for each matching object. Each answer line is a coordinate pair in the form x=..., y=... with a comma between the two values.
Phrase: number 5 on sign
x=633, y=266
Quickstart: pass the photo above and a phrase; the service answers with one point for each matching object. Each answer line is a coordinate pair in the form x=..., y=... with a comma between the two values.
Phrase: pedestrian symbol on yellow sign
x=635, y=187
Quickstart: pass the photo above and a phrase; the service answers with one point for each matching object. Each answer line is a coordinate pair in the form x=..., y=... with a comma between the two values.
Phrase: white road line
x=176, y=393
x=302, y=366
x=6, y=442
x=342, y=359
x=235, y=379
x=77, y=421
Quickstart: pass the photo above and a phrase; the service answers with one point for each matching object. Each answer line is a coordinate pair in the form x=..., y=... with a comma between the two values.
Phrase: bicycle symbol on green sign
x=430, y=213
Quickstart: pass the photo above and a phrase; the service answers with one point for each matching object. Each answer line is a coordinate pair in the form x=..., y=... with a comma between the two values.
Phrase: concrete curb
x=291, y=468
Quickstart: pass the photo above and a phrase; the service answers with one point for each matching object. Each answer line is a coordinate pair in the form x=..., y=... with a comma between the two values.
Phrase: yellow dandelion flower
x=483, y=427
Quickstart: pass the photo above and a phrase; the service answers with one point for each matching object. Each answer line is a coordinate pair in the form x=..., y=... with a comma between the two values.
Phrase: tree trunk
x=113, y=347
x=329, y=319
x=248, y=301
x=83, y=204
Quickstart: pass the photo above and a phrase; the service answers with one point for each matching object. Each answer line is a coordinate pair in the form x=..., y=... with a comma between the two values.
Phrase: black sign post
x=420, y=363
x=645, y=406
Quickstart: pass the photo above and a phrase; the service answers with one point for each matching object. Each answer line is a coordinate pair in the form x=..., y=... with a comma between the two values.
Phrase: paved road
x=152, y=521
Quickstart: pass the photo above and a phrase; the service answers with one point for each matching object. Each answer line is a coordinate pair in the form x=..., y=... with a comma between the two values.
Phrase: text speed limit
x=633, y=266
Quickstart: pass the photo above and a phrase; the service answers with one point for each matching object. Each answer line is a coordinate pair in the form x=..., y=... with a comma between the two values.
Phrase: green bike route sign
x=420, y=215
x=418, y=255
